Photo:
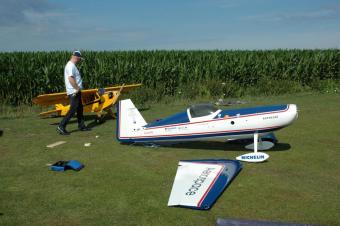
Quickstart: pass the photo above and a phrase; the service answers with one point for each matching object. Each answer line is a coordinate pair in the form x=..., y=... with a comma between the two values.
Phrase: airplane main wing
x=125, y=88
x=198, y=183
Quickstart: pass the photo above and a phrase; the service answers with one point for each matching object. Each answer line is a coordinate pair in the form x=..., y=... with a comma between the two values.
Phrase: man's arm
x=73, y=83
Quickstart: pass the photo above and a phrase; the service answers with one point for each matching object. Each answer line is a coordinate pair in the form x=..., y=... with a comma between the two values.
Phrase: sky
x=48, y=25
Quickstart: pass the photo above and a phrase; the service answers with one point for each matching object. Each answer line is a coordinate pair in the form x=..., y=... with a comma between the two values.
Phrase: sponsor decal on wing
x=199, y=183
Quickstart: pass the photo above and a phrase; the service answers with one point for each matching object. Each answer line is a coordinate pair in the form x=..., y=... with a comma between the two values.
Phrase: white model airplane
x=204, y=122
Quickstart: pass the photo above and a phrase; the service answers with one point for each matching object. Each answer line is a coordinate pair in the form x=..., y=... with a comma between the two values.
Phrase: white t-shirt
x=72, y=70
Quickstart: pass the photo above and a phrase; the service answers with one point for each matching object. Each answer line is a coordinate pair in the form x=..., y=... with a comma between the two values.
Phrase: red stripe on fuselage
x=202, y=133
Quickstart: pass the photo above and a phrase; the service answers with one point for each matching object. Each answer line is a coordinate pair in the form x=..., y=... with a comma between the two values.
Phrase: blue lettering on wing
x=199, y=181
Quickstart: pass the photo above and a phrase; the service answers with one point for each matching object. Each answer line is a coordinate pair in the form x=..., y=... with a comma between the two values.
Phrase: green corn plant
x=179, y=74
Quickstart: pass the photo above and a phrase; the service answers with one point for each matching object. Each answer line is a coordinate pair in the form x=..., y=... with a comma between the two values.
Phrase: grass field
x=130, y=185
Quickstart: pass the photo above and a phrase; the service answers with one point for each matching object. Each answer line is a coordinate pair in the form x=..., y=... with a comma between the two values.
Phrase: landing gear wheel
x=262, y=146
x=100, y=119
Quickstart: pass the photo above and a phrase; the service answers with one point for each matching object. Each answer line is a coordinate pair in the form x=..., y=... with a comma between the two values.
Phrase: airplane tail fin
x=128, y=120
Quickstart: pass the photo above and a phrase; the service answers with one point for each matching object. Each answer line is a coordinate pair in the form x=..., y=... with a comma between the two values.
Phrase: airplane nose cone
x=294, y=111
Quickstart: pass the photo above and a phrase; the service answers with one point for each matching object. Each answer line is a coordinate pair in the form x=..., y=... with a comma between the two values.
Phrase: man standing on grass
x=74, y=85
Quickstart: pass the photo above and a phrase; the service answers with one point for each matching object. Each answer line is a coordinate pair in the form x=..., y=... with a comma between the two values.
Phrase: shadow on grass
x=215, y=145
x=95, y=122
x=93, y=118
x=225, y=146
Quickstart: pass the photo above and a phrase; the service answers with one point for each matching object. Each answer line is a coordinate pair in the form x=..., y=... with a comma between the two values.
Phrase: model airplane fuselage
x=94, y=100
x=204, y=122
x=201, y=122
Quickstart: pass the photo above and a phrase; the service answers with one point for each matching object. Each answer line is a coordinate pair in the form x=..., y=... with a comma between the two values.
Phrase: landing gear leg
x=256, y=156
x=100, y=118
x=113, y=115
x=256, y=140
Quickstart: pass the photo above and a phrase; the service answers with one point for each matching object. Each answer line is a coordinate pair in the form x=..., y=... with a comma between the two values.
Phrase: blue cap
x=77, y=53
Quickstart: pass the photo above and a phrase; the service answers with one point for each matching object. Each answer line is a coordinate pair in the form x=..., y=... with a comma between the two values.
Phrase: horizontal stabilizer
x=198, y=183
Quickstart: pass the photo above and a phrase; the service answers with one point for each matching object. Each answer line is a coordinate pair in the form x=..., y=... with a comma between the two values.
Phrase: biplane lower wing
x=48, y=113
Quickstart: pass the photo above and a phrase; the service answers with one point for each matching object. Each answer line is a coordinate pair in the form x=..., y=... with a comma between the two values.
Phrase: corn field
x=180, y=74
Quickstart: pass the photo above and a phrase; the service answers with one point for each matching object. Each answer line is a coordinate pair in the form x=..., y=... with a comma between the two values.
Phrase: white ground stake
x=256, y=156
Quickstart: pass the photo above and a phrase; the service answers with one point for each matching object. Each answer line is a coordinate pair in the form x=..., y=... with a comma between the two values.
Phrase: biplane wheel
x=100, y=119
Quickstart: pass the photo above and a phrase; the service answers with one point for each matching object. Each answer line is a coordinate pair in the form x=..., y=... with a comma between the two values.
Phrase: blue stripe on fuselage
x=253, y=110
x=181, y=117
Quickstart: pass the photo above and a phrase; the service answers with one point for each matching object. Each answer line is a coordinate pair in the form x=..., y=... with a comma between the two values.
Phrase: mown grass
x=130, y=185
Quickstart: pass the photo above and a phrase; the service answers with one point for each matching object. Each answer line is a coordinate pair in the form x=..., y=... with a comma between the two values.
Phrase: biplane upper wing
x=123, y=88
x=50, y=99
x=61, y=98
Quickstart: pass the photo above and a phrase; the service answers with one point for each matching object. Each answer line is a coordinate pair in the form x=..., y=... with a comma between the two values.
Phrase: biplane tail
x=128, y=120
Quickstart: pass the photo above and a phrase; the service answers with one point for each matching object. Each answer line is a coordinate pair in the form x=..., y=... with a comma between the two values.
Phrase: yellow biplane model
x=94, y=100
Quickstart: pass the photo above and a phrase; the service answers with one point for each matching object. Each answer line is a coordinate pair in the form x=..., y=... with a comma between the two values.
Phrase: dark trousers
x=75, y=106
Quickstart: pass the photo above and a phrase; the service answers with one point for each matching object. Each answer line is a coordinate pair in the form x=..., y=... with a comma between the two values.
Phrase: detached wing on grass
x=198, y=183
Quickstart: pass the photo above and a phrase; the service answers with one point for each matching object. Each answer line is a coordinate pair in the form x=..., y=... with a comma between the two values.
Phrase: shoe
x=84, y=128
x=62, y=131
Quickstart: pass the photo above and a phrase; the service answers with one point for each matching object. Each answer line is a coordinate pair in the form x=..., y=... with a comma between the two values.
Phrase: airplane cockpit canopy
x=200, y=110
